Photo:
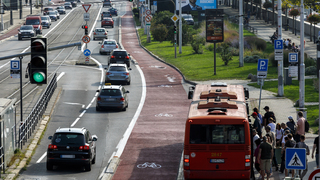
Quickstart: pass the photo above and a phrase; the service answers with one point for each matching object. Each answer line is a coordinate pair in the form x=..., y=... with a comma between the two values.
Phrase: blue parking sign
x=278, y=44
x=263, y=65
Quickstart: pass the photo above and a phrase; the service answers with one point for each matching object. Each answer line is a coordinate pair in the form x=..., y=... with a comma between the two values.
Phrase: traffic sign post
x=296, y=158
x=86, y=16
x=86, y=39
x=278, y=56
x=87, y=52
x=262, y=74
x=293, y=64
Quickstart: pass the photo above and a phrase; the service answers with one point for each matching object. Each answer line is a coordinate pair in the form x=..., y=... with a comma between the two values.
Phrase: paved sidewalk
x=265, y=30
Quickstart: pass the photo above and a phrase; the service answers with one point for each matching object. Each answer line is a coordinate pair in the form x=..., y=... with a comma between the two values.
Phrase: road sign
x=148, y=18
x=148, y=12
x=293, y=57
x=175, y=18
x=155, y=3
x=86, y=7
x=293, y=71
x=296, y=158
x=86, y=16
x=15, y=69
x=278, y=44
x=315, y=175
x=87, y=59
x=86, y=39
x=87, y=52
x=14, y=64
x=262, y=68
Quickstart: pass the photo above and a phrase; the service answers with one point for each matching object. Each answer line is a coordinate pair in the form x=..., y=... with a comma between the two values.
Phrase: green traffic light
x=38, y=77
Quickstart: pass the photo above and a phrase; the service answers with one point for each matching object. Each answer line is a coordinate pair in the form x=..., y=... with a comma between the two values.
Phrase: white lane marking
x=75, y=122
x=40, y=159
x=82, y=105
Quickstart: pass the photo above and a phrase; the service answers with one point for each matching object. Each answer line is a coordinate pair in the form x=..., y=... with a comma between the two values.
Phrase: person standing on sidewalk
x=273, y=143
x=267, y=115
x=279, y=134
x=255, y=137
x=259, y=116
x=302, y=144
x=291, y=124
x=316, y=147
x=256, y=124
x=300, y=127
x=264, y=157
x=272, y=124
x=290, y=143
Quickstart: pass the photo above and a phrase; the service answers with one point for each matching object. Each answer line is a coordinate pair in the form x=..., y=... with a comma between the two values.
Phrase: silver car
x=57, y=13
x=118, y=73
x=100, y=33
x=45, y=21
x=107, y=46
x=112, y=96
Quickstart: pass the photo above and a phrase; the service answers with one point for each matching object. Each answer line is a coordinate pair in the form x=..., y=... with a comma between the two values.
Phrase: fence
x=28, y=126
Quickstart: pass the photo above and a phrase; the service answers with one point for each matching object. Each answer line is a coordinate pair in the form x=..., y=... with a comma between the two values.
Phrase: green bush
x=210, y=47
x=251, y=59
x=235, y=51
x=197, y=43
x=311, y=70
x=159, y=32
x=309, y=62
x=135, y=11
x=225, y=54
x=256, y=43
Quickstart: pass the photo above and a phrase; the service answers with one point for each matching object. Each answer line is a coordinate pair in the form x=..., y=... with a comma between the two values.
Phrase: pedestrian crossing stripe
x=295, y=161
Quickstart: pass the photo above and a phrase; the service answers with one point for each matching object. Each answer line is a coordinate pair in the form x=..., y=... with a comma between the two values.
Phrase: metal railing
x=28, y=126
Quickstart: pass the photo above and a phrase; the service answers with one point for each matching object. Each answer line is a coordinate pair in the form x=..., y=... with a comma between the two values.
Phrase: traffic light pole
x=21, y=98
x=175, y=41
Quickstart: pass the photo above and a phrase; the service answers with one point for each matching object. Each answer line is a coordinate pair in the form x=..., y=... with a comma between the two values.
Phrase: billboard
x=196, y=5
x=214, y=25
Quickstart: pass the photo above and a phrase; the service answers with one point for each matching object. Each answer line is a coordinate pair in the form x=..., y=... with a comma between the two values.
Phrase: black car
x=72, y=146
x=26, y=31
x=105, y=14
x=74, y=3
x=120, y=56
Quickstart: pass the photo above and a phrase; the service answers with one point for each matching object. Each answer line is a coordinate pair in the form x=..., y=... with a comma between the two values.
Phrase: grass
x=200, y=67
x=17, y=155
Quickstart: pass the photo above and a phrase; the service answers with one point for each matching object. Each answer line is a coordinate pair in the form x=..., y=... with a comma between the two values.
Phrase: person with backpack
x=302, y=144
x=300, y=130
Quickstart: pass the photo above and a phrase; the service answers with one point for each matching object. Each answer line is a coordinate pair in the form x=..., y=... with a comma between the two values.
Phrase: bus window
x=199, y=134
x=227, y=134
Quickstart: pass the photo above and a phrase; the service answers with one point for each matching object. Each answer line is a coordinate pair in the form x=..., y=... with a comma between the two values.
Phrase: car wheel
x=129, y=82
x=128, y=65
x=112, y=26
x=124, y=109
x=97, y=108
x=88, y=166
x=49, y=166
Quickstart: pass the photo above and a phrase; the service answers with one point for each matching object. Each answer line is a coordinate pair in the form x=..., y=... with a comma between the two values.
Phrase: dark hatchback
x=72, y=146
x=120, y=56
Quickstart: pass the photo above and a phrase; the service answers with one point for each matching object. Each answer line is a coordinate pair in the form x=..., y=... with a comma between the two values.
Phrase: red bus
x=217, y=141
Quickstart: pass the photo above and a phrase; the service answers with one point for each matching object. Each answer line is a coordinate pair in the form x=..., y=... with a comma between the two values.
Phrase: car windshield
x=26, y=28
x=110, y=92
x=44, y=18
x=52, y=13
x=107, y=19
x=109, y=42
x=119, y=53
x=100, y=30
x=117, y=68
x=49, y=9
x=187, y=16
x=67, y=3
x=67, y=139
x=32, y=21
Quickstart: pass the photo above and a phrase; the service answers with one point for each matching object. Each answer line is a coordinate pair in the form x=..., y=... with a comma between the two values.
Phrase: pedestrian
x=267, y=115
x=300, y=126
x=287, y=42
x=285, y=127
x=316, y=147
x=302, y=144
x=272, y=124
x=256, y=153
x=279, y=133
x=290, y=143
x=255, y=137
x=264, y=157
x=283, y=142
x=273, y=143
x=291, y=124
x=256, y=124
x=259, y=116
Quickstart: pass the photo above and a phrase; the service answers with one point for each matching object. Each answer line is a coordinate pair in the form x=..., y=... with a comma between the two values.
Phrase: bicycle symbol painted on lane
x=151, y=165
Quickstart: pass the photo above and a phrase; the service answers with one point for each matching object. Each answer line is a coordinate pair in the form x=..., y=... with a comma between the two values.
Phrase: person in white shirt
x=287, y=42
x=279, y=134
x=255, y=137
x=272, y=125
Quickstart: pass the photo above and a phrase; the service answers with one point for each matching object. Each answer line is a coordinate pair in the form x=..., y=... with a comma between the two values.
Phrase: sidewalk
x=265, y=30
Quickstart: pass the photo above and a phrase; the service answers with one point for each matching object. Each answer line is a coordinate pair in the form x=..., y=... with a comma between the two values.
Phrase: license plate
x=67, y=156
x=216, y=160
x=110, y=99
x=120, y=62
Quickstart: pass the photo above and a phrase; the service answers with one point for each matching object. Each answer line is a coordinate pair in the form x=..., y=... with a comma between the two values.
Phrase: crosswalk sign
x=296, y=158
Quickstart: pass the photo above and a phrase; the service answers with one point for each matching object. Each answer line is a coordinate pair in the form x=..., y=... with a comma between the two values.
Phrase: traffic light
x=175, y=29
x=85, y=27
x=38, y=63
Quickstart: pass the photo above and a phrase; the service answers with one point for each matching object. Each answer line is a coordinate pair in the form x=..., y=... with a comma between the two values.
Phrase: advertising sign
x=214, y=25
x=196, y=5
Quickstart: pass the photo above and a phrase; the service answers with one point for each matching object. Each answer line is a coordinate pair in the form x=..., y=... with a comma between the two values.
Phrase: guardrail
x=28, y=126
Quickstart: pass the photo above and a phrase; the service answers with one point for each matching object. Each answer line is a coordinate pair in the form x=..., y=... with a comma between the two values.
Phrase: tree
x=226, y=54
x=313, y=19
x=159, y=32
x=267, y=5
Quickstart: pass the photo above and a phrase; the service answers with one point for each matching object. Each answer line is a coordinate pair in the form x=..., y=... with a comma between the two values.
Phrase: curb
x=111, y=168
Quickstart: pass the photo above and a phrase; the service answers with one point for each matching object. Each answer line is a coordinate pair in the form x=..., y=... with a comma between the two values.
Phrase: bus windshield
x=217, y=134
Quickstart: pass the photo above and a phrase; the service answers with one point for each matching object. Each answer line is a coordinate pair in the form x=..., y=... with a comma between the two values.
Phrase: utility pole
x=280, y=62
x=302, y=65
x=180, y=28
x=241, y=44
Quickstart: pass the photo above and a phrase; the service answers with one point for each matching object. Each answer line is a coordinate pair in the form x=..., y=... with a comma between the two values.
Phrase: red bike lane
x=153, y=150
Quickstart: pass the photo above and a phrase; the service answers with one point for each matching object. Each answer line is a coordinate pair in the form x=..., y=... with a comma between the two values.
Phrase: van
x=36, y=22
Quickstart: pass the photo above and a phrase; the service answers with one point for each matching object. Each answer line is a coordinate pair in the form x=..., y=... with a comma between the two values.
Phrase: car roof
x=71, y=130
x=109, y=40
x=27, y=25
x=111, y=87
